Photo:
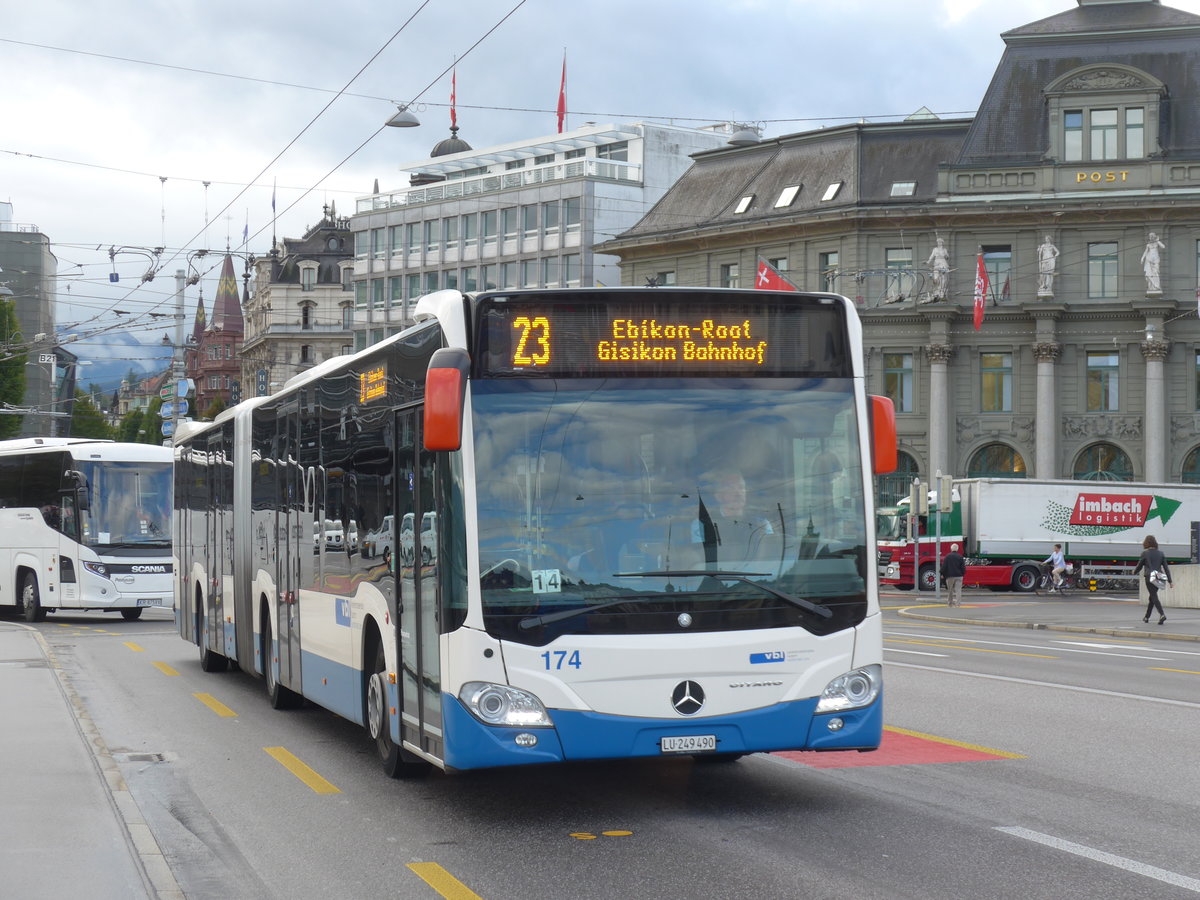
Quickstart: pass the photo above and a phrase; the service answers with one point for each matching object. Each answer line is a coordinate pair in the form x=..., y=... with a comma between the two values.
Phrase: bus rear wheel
x=31, y=600
x=280, y=697
x=131, y=614
x=210, y=660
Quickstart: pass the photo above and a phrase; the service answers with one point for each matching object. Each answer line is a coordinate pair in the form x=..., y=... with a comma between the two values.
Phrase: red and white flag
x=770, y=279
x=562, y=95
x=981, y=290
x=453, y=92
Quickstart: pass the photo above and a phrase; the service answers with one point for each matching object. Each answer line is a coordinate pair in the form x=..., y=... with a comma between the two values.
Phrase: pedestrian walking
x=1158, y=575
x=953, y=570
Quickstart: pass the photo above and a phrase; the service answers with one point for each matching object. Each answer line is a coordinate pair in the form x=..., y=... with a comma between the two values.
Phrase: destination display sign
x=662, y=333
x=372, y=384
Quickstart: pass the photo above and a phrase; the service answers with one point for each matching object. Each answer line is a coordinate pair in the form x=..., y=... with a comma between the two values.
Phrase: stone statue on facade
x=1047, y=267
x=1151, y=261
x=939, y=261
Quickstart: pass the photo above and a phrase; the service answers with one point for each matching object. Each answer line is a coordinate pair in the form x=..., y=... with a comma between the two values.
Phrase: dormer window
x=903, y=188
x=1100, y=113
x=308, y=276
x=744, y=204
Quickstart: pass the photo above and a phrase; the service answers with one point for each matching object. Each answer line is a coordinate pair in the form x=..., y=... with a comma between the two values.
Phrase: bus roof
x=89, y=448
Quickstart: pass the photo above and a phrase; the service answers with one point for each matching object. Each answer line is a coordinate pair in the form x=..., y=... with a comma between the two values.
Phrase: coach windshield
x=129, y=503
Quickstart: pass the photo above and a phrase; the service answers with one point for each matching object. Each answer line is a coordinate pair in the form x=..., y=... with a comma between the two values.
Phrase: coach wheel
x=31, y=601
x=131, y=614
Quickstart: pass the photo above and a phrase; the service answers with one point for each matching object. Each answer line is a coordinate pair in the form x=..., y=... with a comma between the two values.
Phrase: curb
x=144, y=848
x=1070, y=629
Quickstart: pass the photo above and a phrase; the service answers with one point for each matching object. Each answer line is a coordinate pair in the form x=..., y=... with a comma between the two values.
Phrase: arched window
x=891, y=487
x=1102, y=462
x=1191, y=467
x=996, y=461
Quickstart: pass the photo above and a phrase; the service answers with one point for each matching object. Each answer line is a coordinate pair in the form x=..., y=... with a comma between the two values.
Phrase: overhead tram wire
x=518, y=109
x=287, y=147
x=415, y=98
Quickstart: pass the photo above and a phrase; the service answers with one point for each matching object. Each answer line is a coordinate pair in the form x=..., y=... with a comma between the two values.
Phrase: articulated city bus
x=85, y=525
x=595, y=523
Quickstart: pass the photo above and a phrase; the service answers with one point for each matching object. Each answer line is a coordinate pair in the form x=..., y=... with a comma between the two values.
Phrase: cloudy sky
x=104, y=101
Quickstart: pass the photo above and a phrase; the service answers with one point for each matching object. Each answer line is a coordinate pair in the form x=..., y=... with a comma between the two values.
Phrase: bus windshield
x=129, y=503
x=695, y=504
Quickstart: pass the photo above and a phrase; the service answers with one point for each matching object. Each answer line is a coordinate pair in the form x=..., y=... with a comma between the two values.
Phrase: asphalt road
x=1018, y=764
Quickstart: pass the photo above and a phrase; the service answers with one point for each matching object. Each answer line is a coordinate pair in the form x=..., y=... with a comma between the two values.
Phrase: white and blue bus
x=631, y=522
x=86, y=525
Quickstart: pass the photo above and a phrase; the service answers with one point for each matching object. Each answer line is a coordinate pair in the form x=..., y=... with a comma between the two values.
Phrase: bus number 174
x=556, y=659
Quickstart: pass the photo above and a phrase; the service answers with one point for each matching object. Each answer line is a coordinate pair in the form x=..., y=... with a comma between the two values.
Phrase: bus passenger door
x=418, y=610
x=291, y=541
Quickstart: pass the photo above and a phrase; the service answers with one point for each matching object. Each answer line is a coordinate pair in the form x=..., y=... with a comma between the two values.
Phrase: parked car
x=375, y=540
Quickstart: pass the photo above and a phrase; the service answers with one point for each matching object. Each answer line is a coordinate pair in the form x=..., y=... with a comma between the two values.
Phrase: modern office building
x=28, y=277
x=1076, y=187
x=523, y=214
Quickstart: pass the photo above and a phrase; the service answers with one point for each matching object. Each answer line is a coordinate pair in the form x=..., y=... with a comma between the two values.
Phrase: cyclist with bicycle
x=1057, y=563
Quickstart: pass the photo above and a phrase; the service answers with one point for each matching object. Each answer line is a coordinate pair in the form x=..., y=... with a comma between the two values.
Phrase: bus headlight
x=97, y=568
x=498, y=704
x=853, y=690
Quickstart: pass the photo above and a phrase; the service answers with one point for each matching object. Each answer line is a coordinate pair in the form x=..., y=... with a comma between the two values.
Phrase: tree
x=12, y=368
x=130, y=425
x=87, y=421
x=214, y=409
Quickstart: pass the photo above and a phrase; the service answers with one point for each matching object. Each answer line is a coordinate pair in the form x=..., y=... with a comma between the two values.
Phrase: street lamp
x=403, y=118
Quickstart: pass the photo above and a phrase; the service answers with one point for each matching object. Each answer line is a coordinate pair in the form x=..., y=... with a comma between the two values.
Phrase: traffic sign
x=168, y=409
x=166, y=392
x=167, y=427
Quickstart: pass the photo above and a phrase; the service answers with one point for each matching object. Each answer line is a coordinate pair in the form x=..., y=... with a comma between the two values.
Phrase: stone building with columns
x=1077, y=184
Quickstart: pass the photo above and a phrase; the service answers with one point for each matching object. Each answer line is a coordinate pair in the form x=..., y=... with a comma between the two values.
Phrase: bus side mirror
x=79, y=485
x=882, y=416
x=445, y=396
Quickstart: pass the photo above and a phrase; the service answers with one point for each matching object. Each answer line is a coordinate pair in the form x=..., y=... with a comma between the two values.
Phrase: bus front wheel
x=31, y=600
x=397, y=762
x=131, y=615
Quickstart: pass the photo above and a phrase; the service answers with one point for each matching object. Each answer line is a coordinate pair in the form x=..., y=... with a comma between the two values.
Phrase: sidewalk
x=68, y=825
x=1081, y=613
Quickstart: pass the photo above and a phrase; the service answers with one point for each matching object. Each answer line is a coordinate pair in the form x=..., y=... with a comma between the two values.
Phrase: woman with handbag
x=1158, y=575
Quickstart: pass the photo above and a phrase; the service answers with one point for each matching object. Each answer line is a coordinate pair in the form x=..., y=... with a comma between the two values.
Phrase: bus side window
x=70, y=523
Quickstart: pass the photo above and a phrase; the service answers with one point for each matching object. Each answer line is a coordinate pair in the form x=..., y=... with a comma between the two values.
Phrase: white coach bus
x=85, y=524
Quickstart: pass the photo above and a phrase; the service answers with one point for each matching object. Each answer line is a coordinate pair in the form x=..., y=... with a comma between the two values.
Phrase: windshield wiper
x=535, y=621
x=800, y=602
x=745, y=577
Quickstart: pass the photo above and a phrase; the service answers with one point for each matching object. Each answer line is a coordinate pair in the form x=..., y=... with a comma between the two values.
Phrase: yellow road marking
x=165, y=669
x=216, y=705
x=134, y=647
x=443, y=882
x=932, y=737
x=301, y=771
x=964, y=647
x=1182, y=671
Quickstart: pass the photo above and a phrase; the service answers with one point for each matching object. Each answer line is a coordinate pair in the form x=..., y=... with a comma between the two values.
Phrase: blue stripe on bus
x=580, y=735
x=335, y=686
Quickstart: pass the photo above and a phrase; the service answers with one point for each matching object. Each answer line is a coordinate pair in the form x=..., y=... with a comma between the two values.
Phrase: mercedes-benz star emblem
x=687, y=698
